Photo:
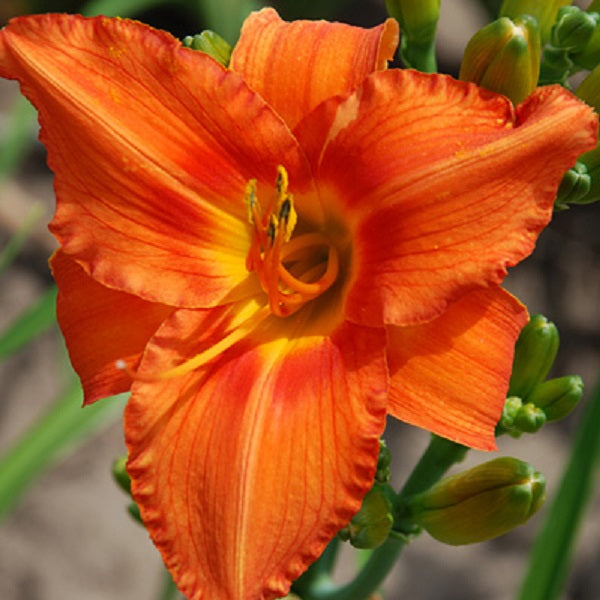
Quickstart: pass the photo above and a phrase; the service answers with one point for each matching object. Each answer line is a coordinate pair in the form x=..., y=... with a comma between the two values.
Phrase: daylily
x=275, y=255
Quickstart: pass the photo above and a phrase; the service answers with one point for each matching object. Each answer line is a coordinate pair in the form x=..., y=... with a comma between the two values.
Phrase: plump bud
x=544, y=12
x=371, y=526
x=591, y=160
x=120, y=474
x=518, y=418
x=210, y=43
x=589, y=56
x=418, y=22
x=574, y=188
x=573, y=29
x=535, y=352
x=480, y=503
x=504, y=57
x=557, y=397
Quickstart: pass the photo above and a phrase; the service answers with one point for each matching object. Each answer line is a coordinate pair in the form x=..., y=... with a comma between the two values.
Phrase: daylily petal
x=444, y=185
x=244, y=471
x=295, y=66
x=152, y=145
x=450, y=375
x=102, y=326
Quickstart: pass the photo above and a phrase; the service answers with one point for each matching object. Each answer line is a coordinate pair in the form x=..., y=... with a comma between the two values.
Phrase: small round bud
x=371, y=526
x=119, y=471
x=210, y=43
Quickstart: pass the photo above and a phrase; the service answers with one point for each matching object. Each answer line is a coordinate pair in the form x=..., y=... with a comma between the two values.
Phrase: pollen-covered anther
x=291, y=270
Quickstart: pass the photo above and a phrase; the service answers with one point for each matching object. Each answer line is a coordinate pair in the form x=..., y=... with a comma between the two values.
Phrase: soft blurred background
x=69, y=537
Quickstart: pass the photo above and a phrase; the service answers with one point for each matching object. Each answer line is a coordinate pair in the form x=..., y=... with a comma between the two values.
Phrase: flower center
x=292, y=270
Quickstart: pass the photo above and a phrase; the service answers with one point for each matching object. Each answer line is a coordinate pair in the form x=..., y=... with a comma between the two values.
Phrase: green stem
x=439, y=456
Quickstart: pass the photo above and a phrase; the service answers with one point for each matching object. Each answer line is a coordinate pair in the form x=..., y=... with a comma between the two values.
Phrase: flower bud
x=557, y=397
x=480, y=503
x=210, y=43
x=535, y=352
x=504, y=57
x=574, y=188
x=544, y=12
x=591, y=160
x=573, y=28
x=589, y=56
x=529, y=418
x=371, y=526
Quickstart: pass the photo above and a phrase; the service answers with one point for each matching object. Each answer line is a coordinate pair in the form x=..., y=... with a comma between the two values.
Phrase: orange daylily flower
x=275, y=255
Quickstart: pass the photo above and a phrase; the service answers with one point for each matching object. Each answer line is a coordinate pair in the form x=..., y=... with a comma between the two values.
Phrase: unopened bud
x=544, y=11
x=574, y=188
x=535, y=352
x=210, y=43
x=371, y=526
x=480, y=503
x=589, y=56
x=573, y=28
x=557, y=397
x=504, y=57
x=529, y=418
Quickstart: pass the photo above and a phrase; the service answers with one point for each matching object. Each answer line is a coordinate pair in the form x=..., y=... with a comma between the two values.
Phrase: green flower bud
x=557, y=397
x=210, y=43
x=504, y=57
x=573, y=28
x=418, y=22
x=480, y=503
x=591, y=160
x=120, y=474
x=544, y=11
x=383, y=473
x=574, y=187
x=371, y=526
x=535, y=352
x=511, y=409
x=529, y=418
x=589, y=56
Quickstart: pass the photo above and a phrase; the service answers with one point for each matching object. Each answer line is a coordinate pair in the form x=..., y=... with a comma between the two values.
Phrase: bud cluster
x=532, y=400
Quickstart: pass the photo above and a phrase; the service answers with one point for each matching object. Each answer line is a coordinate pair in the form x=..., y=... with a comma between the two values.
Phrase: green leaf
x=551, y=557
x=60, y=429
x=30, y=324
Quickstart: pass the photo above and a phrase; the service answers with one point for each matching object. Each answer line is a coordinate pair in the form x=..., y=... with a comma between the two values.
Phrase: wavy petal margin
x=448, y=186
x=450, y=376
x=297, y=65
x=152, y=145
x=245, y=471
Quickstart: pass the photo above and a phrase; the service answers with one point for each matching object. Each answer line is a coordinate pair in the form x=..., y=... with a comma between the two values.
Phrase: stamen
x=273, y=246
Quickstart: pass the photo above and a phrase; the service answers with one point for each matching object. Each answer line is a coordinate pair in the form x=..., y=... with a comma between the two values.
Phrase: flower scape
x=275, y=255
